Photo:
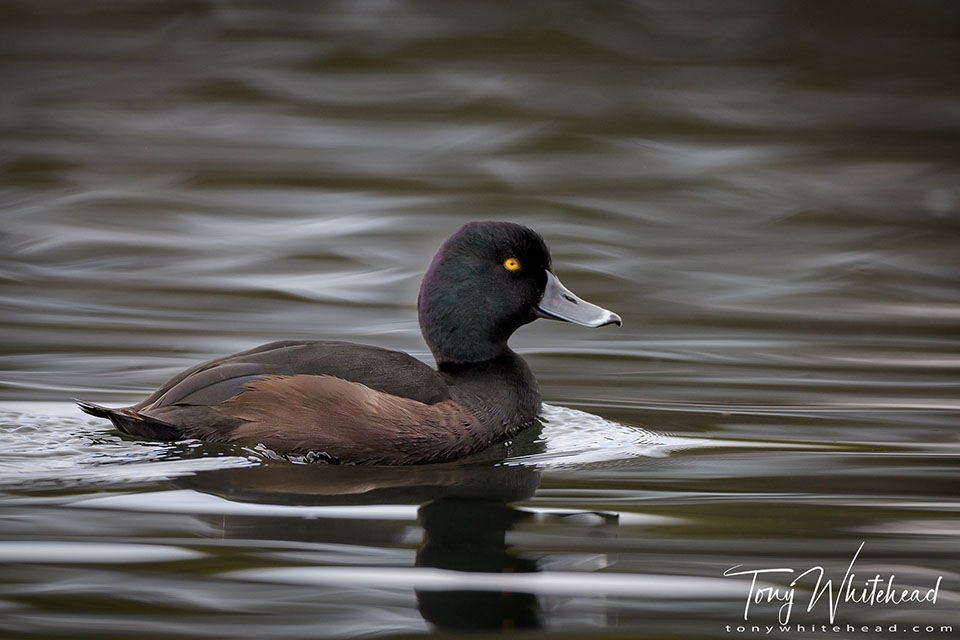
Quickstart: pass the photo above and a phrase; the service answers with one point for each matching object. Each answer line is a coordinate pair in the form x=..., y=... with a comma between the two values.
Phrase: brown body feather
x=349, y=422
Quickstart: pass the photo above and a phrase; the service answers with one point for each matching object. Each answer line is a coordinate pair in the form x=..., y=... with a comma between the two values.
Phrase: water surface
x=767, y=192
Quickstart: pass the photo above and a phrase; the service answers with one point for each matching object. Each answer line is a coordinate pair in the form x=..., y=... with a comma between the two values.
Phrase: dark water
x=767, y=192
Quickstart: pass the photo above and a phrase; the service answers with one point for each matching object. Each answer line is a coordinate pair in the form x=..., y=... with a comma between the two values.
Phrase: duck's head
x=486, y=281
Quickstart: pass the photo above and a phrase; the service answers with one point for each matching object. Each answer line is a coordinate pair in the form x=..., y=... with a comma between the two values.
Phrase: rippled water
x=767, y=192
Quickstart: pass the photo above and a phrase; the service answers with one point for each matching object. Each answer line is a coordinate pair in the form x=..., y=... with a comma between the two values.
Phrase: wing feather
x=213, y=382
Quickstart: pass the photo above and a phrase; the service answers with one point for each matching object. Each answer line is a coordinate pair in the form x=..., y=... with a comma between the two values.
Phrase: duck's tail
x=133, y=422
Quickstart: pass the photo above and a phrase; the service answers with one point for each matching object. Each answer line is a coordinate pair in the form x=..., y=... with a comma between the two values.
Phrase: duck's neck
x=502, y=392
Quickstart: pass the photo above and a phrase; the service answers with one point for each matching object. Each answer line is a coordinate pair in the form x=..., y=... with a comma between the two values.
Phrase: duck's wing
x=199, y=403
x=391, y=372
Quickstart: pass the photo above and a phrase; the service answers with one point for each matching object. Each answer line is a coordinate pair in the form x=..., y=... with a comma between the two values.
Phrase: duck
x=346, y=403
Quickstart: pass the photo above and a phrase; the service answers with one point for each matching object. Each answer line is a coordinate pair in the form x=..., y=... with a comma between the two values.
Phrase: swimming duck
x=348, y=403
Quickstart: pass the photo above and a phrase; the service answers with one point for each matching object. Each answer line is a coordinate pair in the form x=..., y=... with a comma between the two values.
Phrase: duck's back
x=391, y=372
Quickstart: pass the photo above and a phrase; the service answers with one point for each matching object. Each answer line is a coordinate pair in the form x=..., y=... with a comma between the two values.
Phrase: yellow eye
x=511, y=264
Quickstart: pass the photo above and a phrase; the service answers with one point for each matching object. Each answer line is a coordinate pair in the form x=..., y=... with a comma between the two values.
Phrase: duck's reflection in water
x=465, y=514
x=470, y=535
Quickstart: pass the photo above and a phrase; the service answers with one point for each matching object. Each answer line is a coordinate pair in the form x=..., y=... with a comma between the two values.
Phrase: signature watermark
x=875, y=590
x=768, y=629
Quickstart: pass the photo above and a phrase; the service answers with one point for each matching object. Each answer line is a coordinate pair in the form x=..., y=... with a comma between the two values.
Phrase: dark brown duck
x=357, y=404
